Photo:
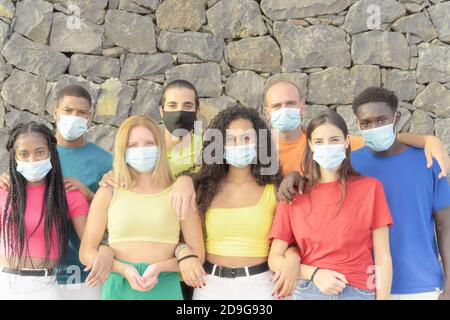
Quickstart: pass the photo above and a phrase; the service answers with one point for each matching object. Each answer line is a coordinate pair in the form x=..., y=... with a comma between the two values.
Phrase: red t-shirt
x=34, y=227
x=339, y=241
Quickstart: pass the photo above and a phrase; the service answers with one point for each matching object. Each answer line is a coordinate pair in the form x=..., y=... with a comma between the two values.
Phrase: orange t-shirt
x=291, y=153
x=336, y=240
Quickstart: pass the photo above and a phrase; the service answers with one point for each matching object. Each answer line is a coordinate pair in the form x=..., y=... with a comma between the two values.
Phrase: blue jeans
x=307, y=290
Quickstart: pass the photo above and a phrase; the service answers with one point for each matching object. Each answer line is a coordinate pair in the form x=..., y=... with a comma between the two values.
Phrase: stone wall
x=123, y=51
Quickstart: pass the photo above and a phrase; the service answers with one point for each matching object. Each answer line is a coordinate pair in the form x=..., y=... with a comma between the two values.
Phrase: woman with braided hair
x=35, y=215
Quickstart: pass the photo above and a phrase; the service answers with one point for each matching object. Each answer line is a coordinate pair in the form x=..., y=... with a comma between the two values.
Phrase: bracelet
x=179, y=248
x=187, y=257
x=314, y=274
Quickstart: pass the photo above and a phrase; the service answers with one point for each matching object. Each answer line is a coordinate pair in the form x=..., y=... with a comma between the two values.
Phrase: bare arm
x=95, y=226
x=442, y=219
x=383, y=262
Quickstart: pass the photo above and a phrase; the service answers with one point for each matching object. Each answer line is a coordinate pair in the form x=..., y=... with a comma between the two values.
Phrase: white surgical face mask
x=240, y=156
x=379, y=139
x=286, y=119
x=34, y=171
x=142, y=159
x=72, y=127
x=329, y=156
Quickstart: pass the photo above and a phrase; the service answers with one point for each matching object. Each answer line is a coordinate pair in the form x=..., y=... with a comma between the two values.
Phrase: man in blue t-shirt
x=418, y=198
x=83, y=165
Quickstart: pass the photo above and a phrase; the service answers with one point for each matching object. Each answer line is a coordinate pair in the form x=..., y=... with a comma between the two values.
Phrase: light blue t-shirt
x=87, y=164
x=413, y=193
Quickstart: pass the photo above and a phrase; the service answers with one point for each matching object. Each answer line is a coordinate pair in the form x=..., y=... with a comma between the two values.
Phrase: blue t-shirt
x=87, y=164
x=413, y=193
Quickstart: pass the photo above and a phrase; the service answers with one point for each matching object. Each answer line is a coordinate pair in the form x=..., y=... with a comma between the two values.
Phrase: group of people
x=255, y=207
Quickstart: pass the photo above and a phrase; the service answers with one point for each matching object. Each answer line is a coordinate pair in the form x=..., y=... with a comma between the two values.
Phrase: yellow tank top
x=142, y=217
x=241, y=232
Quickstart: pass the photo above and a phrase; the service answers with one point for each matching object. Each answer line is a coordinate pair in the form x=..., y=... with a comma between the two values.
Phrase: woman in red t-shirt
x=339, y=224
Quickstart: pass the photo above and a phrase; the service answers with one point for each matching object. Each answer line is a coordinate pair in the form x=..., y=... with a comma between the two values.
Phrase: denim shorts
x=307, y=290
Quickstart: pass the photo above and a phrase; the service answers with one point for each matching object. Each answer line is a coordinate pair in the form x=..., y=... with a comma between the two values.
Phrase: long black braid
x=54, y=213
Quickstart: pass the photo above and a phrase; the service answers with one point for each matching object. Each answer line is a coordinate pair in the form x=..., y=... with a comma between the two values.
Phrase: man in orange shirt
x=284, y=109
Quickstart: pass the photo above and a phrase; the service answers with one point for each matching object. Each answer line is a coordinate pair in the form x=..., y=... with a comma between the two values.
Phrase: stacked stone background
x=124, y=51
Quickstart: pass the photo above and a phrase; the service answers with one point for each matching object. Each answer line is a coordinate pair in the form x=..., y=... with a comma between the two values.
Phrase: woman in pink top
x=34, y=217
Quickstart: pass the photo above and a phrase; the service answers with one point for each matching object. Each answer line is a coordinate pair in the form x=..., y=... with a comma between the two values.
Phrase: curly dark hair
x=208, y=180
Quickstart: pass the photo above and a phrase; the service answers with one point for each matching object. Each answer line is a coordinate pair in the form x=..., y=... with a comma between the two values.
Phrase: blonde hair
x=122, y=172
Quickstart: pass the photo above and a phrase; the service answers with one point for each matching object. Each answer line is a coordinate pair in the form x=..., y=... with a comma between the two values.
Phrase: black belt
x=230, y=272
x=29, y=272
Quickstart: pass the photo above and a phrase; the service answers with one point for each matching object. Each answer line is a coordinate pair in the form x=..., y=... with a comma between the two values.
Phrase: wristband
x=314, y=274
x=179, y=248
x=187, y=257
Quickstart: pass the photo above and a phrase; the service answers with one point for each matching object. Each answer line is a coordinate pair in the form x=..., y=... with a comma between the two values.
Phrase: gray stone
x=147, y=100
x=236, y=19
x=442, y=128
x=434, y=64
x=204, y=46
x=2, y=114
x=418, y=25
x=210, y=107
x=66, y=80
x=422, y=123
x=294, y=9
x=338, y=85
x=297, y=78
x=5, y=69
x=139, y=6
x=91, y=10
x=311, y=112
x=388, y=49
x=347, y=113
x=403, y=83
x=435, y=98
x=247, y=88
x=361, y=16
x=440, y=14
x=131, y=31
x=114, y=52
x=260, y=54
x=405, y=120
x=34, y=19
x=4, y=33
x=114, y=102
x=139, y=66
x=102, y=135
x=187, y=14
x=4, y=155
x=7, y=9
x=94, y=67
x=34, y=57
x=25, y=91
x=14, y=117
x=81, y=37
x=185, y=58
x=205, y=77
x=315, y=46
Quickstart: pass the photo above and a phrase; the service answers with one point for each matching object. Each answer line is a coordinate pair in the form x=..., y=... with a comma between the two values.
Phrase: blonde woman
x=143, y=229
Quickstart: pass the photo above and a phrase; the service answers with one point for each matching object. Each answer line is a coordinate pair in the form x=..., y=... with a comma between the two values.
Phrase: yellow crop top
x=142, y=217
x=241, y=232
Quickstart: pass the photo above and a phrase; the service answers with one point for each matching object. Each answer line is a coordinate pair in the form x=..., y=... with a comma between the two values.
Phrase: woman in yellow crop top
x=143, y=229
x=236, y=197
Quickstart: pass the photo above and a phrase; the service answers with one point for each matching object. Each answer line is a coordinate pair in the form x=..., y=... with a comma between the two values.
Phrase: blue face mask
x=286, y=119
x=142, y=159
x=240, y=156
x=72, y=127
x=34, y=171
x=329, y=156
x=379, y=139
